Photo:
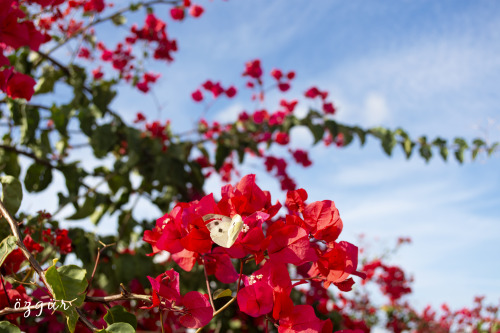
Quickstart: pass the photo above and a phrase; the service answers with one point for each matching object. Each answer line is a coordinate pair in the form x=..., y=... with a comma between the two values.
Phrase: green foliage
x=118, y=314
x=38, y=177
x=7, y=245
x=68, y=284
x=6, y=327
x=12, y=193
x=118, y=328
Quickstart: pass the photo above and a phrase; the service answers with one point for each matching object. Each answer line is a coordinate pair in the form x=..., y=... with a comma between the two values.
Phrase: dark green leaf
x=221, y=153
x=361, y=134
x=87, y=121
x=118, y=314
x=6, y=247
x=317, y=131
x=47, y=80
x=103, y=95
x=85, y=210
x=38, y=177
x=102, y=140
x=118, y=328
x=333, y=127
x=407, y=145
x=60, y=116
x=12, y=193
x=388, y=142
x=29, y=125
x=6, y=327
x=9, y=163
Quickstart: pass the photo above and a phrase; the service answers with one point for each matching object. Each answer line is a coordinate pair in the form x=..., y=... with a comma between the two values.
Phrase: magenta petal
x=199, y=310
x=256, y=299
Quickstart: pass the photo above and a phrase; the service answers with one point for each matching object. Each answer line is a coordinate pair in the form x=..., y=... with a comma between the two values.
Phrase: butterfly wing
x=234, y=229
x=219, y=228
x=219, y=232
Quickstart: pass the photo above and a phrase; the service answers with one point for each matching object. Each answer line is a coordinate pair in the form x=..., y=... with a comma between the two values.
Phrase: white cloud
x=376, y=111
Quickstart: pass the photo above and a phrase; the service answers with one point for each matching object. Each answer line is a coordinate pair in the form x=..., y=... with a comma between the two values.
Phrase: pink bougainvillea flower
x=329, y=108
x=256, y=299
x=289, y=106
x=284, y=86
x=282, y=138
x=323, y=220
x=253, y=69
x=94, y=5
x=337, y=263
x=277, y=74
x=295, y=200
x=20, y=86
x=185, y=259
x=260, y=116
x=166, y=286
x=231, y=92
x=219, y=264
x=197, y=95
x=301, y=156
x=196, y=10
x=301, y=319
x=198, y=310
x=177, y=13
x=290, y=244
x=345, y=285
x=63, y=241
x=276, y=275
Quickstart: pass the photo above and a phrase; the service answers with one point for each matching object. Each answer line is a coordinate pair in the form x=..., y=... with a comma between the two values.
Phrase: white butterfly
x=223, y=230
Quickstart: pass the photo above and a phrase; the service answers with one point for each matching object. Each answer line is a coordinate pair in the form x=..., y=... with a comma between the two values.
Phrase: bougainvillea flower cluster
x=306, y=238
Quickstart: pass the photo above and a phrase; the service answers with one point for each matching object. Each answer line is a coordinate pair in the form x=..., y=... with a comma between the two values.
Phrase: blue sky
x=429, y=67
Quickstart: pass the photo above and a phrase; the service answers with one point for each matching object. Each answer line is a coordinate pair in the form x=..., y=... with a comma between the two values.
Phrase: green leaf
x=221, y=153
x=6, y=327
x=102, y=140
x=9, y=163
x=492, y=148
x=103, y=95
x=74, y=176
x=87, y=120
x=68, y=284
x=85, y=210
x=222, y=293
x=462, y=146
x=443, y=148
x=119, y=20
x=60, y=116
x=475, y=151
x=388, y=142
x=12, y=193
x=333, y=127
x=29, y=124
x=425, y=149
x=126, y=224
x=38, y=177
x=47, y=80
x=347, y=133
x=317, y=131
x=77, y=78
x=361, y=134
x=6, y=247
x=118, y=328
x=118, y=314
